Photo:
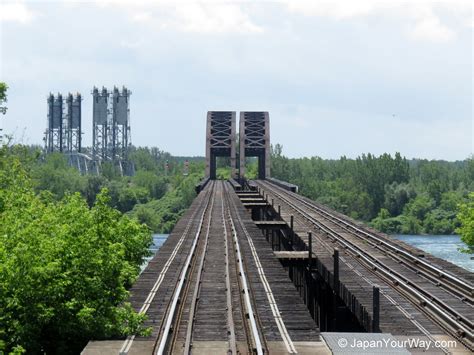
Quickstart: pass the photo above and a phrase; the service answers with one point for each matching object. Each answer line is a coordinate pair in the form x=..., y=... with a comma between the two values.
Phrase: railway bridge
x=254, y=267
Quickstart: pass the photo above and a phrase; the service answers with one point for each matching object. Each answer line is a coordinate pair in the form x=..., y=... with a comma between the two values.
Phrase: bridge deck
x=229, y=260
x=399, y=315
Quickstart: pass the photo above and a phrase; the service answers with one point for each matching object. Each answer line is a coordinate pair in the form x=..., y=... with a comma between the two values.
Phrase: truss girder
x=220, y=140
x=255, y=141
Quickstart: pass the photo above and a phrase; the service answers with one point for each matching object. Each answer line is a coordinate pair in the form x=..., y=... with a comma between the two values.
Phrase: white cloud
x=421, y=15
x=341, y=9
x=433, y=30
x=336, y=9
x=143, y=16
x=15, y=12
x=205, y=17
x=213, y=18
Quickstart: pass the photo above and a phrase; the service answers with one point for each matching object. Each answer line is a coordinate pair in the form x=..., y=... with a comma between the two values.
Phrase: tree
x=419, y=207
x=396, y=197
x=3, y=98
x=156, y=185
x=94, y=184
x=64, y=267
x=55, y=175
x=161, y=215
x=3, y=92
x=466, y=217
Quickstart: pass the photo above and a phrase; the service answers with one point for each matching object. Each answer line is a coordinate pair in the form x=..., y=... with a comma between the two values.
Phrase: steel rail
x=245, y=289
x=151, y=295
x=242, y=308
x=432, y=306
x=395, y=304
x=197, y=290
x=230, y=316
x=448, y=281
x=407, y=315
x=457, y=286
x=182, y=278
x=268, y=291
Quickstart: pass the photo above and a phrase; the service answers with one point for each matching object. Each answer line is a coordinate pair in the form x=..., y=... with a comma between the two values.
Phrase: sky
x=337, y=77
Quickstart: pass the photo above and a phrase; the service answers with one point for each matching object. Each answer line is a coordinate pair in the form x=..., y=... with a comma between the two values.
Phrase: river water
x=443, y=246
x=158, y=240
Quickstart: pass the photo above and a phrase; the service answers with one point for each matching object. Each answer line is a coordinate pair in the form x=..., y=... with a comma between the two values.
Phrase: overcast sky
x=338, y=77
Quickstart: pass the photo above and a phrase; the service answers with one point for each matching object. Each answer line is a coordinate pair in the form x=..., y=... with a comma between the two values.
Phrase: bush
x=466, y=217
x=64, y=267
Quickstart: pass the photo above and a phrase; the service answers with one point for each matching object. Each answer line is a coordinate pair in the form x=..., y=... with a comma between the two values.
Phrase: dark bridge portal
x=255, y=141
x=220, y=140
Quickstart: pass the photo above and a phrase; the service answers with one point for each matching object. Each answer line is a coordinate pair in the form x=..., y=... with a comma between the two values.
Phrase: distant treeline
x=394, y=194
x=161, y=189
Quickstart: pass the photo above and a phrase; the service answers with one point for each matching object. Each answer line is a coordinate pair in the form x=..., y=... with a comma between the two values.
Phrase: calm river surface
x=158, y=240
x=443, y=246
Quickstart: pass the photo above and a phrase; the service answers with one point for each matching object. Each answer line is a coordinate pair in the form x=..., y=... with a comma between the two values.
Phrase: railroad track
x=453, y=284
x=285, y=337
x=455, y=322
x=255, y=339
x=208, y=298
x=127, y=344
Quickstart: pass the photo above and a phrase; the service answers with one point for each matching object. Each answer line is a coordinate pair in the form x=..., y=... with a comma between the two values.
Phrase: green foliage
x=92, y=186
x=64, y=267
x=223, y=173
x=52, y=173
x=124, y=195
x=439, y=221
x=395, y=195
x=161, y=215
x=67, y=256
x=55, y=175
x=153, y=160
x=109, y=171
x=3, y=92
x=466, y=217
x=419, y=206
x=155, y=185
